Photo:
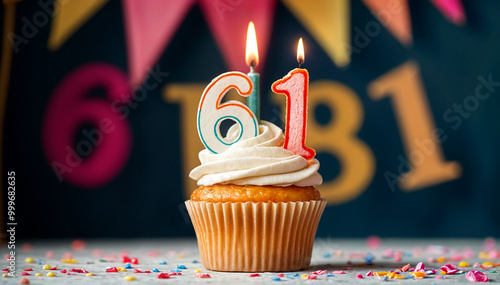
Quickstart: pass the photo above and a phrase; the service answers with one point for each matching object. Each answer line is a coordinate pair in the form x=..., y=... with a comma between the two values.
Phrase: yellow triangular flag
x=69, y=16
x=329, y=22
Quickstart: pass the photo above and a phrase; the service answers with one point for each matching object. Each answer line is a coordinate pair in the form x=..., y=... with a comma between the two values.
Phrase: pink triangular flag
x=452, y=9
x=149, y=27
x=395, y=16
x=228, y=21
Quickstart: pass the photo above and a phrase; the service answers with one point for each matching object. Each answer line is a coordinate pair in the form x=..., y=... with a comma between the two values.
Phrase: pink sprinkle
x=124, y=253
x=25, y=273
x=489, y=243
x=26, y=246
x=67, y=255
x=449, y=269
x=280, y=275
x=112, y=269
x=49, y=254
x=96, y=252
x=430, y=259
x=359, y=276
x=254, y=274
x=163, y=276
x=369, y=273
x=6, y=256
x=153, y=253
x=420, y=266
x=78, y=245
x=387, y=253
x=137, y=271
x=397, y=258
x=356, y=256
x=202, y=275
x=493, y=253
x=417, y=252
x=439, y=277
x=373, y=242
x=339, y=272
x=476, y=265
x=312, y=277
x=432, y=271
x=28, y=269
x=457, y=257
x=476, y=276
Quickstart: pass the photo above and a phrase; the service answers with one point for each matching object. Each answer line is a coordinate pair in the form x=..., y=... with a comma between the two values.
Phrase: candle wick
x=252, y=69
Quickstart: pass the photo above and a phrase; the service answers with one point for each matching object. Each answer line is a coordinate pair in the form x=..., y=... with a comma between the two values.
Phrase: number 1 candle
x=295, y=86
x=252, y=60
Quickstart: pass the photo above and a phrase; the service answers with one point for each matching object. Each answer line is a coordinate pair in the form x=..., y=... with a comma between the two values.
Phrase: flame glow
x=252, y=52
x=300, y=52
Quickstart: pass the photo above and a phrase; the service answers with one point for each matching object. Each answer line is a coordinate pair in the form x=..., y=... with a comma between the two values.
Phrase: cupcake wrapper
x=256, y=237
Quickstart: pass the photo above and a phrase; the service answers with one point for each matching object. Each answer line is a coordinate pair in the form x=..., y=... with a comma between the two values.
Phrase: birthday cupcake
x=256, y=208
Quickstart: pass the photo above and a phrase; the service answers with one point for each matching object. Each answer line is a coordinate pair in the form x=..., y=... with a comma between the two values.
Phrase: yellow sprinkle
x=304, y=276
x=381, y=273
x=443, y=272
x=129, y=278
x=197, y=271
x=5, y=275
x=29, y=260
x=391, y=275
x=488, y=264
x=419, y=274
x=51, y=274
x=46, y=267
x=119, y=268
x=180, y=255
x=122, y=269
x=463, y=264
x=38, y=274
x=484, y=255
x=90, y=274
x=68, y=260
x=441, y=259
x=398, y=277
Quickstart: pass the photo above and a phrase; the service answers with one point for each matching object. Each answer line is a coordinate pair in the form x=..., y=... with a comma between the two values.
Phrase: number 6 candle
x=295, y=86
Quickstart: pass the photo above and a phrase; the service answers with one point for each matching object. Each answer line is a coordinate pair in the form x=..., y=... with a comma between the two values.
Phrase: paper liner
x=256, y=237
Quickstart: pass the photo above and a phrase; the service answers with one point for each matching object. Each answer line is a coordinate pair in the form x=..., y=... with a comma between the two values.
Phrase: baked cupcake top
x=260, y=160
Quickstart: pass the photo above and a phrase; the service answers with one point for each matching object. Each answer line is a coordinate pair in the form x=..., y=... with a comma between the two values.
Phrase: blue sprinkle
x=195, y=261
x=39, y=262
x=276, y=279
x=156, y=270
x=163, y=262
x=409, y=277
x=407, y=254
x=181, y=267
x=128, y=265
x=369, y=258
x=176, y=270
x=330, y=275
x=327, y=255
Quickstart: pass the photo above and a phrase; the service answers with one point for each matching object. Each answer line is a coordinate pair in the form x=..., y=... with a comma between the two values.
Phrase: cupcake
x=256, y=208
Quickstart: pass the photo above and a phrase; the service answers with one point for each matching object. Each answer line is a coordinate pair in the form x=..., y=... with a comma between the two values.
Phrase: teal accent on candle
x=217, y=126
x=253, y=101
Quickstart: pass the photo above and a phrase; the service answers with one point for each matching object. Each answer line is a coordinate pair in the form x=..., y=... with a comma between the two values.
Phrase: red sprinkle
x=202, y=275
x=254, y=274
x=25, y=273
x=49, y=254
x=28, y=269
x=63, y=271
x=359, y=276
x=5, y=270
x=112, y=269
x=405, y=268
x=53, y=268
x=125, y=259
x=281, y=275
x=134, y=260
x=24, y=281
x=78, y=270
x=78, y=245
x=163, y=276
x=67, y=255
x=147, y=271
x=137, y=271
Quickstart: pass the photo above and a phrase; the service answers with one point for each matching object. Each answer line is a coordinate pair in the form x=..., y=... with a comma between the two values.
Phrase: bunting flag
x=149, y=27
x=395, y=16
x=452, y=9
x=228, y=21
x=69, y=16
x=329, y=23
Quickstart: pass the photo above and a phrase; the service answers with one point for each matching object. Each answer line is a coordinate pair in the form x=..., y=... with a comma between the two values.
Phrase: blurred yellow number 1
x=427, y=164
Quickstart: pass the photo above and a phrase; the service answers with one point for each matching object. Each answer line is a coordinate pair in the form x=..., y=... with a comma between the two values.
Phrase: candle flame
x=252, y=52
x=300, y=52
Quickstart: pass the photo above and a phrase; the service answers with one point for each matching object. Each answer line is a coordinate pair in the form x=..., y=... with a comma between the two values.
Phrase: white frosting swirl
x=260, y=160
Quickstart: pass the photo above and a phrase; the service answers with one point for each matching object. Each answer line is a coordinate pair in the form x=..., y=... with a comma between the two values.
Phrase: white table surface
x=185, y=251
